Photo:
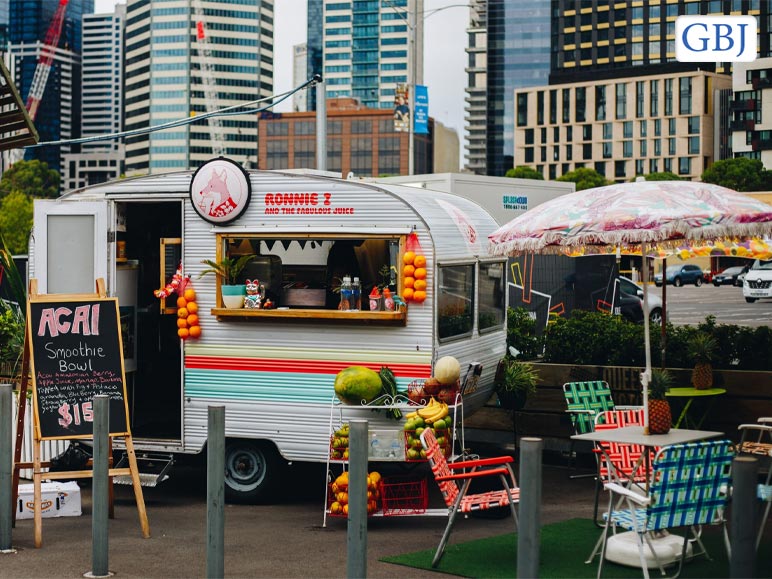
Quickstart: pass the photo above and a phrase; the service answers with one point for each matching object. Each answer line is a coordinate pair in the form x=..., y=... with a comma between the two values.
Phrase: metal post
x=743, y=524
x=215, y=493
x=321, y=126
x=100, y=487
x=663, y=325
x=528, y=537
x=356, y=537
x=412, y=65
x=6, y=468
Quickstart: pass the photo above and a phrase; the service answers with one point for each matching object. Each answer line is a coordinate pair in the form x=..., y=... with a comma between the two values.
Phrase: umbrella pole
x=663, y=331
x=645, y=377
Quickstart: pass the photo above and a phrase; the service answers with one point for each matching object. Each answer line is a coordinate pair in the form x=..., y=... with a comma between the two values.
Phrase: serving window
x=301, y=276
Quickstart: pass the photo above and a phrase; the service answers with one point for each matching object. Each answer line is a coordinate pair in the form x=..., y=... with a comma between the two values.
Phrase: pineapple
x=660, y=417
x=702, y=348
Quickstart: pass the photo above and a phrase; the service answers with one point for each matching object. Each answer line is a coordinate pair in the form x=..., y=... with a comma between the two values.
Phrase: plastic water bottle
x=396, y=448
x=375, y=448
x=345, y=294
x=356, y=295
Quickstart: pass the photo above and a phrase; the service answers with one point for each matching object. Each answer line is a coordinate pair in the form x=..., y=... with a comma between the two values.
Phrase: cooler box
x=58, y=499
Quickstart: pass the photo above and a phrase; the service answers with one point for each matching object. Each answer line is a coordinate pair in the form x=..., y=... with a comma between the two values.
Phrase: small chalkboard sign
x=76, y=353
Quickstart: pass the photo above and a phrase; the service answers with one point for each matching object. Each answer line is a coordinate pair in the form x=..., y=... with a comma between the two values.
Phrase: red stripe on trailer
x=296, y=366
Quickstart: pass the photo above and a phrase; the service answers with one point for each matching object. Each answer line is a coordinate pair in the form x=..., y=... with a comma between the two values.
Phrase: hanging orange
x=183, y=333
x=408, y=270
x=420, y=273
x=419, y=285
x=181, y=302
x=190, y=294
x=408, y=257
x=182, y=323
x=195, y=331
x=192, y=320
x=192, y=307
x=407, y=293
x=409, y=281
x=182, y=313
x=419, y=296
x=419, y=261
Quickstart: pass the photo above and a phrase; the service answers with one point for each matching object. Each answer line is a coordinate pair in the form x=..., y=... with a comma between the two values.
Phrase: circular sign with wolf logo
x=220, y=191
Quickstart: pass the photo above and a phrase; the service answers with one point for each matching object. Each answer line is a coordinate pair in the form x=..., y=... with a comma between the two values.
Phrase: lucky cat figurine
x=255, y=294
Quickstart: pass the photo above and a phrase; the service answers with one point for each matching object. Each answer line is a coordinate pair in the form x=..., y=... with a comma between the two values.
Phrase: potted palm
x=228, y=270
x=515, y=382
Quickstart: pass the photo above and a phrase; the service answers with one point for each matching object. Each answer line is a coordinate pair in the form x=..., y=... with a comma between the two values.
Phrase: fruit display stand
x=395, y=495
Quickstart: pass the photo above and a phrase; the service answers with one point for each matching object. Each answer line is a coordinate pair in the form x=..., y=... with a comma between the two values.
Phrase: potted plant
x=515, y=382
x=228, y=270
x=702, y=349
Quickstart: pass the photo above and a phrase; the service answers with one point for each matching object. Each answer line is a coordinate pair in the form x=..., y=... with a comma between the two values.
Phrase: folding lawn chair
x=454, y=480
x=687, y=489
x=756, y=441
x=584, y=401
x=616, y=461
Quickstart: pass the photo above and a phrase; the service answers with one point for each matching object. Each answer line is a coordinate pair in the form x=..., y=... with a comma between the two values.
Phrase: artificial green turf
x=564, y=548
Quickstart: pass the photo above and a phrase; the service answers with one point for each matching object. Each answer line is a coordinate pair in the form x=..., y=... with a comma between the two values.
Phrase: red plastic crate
x=402, y=496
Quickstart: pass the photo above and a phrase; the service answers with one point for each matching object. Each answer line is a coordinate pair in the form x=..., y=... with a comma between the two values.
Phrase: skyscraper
x=365, y=47
x=58, y=116
x=102, y=102
x=166, y=74
x=509, y=48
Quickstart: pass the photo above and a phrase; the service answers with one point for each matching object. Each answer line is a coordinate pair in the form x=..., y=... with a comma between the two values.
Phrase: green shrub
x=523, y=335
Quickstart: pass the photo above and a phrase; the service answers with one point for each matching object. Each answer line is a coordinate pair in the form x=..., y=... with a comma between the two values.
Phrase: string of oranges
x=187, y=315
x=414, y=273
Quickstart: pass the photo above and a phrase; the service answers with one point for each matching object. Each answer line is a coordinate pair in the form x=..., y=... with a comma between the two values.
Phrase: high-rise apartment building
x=58, y=116
x=366, y=48
x=596, y=39
x=102, y=102
x=166, y=72
x=509, y=48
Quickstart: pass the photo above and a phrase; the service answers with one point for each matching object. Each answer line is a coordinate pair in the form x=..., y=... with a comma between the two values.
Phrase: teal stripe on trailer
x=269, y=386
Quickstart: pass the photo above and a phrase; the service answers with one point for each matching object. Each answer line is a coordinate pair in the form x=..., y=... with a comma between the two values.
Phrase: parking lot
x=691, y=305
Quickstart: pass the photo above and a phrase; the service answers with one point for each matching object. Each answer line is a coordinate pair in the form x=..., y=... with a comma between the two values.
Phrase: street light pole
x=412, y=64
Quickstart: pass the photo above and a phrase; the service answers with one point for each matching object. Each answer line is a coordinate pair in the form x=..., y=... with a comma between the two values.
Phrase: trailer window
x=300, y=276
x=455, y=301
x=490, y=294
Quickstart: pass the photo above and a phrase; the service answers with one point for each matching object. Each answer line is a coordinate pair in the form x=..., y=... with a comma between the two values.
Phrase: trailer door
x=69, y=246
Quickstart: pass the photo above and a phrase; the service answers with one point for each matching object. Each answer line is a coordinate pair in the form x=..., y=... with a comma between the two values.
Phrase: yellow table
x=691, y=394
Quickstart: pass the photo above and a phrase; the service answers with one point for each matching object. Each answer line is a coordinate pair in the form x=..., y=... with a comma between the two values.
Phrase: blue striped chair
x=685, y=491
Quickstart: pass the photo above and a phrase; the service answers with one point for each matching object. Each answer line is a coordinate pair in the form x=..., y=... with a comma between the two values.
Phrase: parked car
x=678, y=275
x=631, y=308
x=628, y=287
x=741, y=277
x=729, y=276
x=758, y=281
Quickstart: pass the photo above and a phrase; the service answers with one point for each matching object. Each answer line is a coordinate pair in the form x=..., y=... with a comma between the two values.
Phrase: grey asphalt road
x=691, y=305
x=285, y=539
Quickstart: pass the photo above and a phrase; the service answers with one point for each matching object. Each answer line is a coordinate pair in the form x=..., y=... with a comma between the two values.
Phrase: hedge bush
x=596, y=338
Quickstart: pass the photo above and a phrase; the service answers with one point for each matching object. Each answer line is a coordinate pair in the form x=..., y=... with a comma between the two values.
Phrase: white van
x=757, y=283
x=273, y=369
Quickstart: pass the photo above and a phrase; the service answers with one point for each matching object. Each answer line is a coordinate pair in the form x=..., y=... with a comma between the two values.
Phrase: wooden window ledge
x=309, y=315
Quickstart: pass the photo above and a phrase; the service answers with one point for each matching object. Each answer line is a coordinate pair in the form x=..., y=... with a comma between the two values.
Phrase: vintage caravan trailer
x=272, y=368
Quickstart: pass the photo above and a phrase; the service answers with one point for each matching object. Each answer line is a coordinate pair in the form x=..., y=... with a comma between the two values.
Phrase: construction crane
x=45, y=60
x=207, y=76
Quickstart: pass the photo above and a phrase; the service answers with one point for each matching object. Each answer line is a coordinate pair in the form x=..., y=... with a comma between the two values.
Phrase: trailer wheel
x=252, y=471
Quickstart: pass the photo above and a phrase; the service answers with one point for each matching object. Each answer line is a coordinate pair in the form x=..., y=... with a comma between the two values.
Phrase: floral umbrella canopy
x=645, y=217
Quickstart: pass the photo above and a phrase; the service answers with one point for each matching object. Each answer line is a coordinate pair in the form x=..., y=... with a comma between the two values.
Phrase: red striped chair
x=454, y=479
x=616, y=461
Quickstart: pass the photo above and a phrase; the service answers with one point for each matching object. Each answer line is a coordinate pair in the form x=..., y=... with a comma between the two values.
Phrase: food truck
x=273, y=363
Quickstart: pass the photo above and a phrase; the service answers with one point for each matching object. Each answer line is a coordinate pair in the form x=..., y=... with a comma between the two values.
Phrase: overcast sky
x=444, y=55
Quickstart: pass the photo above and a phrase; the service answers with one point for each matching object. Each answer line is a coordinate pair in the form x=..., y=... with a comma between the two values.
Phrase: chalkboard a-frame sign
x=76, y=353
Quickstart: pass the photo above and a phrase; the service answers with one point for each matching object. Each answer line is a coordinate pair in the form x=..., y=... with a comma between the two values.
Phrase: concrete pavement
x=285, y=539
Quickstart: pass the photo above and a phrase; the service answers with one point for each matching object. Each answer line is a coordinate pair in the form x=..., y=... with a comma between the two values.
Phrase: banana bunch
x=433, y=411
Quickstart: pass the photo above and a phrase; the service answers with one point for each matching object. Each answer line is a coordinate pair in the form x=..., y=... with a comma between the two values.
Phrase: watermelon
x=357, y=385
